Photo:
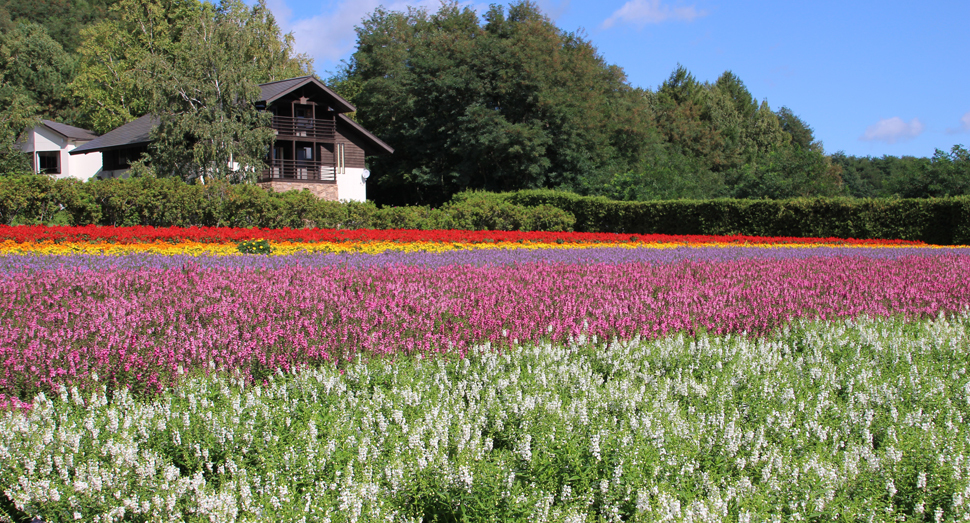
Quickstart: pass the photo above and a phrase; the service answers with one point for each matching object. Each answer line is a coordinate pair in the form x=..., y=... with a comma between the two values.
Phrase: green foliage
x=801, y=134
x=62, y=19
x=112, y=84
x=945, y=174
x=948, y=174
x=255, y=247
x=785, y=173
x=514, y=103
x=171, y=202
x=38, y=67
x=196, y=66
x=944, y=221
x=496, y=215
x=204, y=93
x=518, y=104
x=18, y=114
x=36, y=199
x=164, y=202
x=34, y=73
x=667, y=174
x=502, y=102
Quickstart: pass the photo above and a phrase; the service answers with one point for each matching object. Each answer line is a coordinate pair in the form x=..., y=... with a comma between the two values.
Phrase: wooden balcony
x=299, y=170
x=288, y=126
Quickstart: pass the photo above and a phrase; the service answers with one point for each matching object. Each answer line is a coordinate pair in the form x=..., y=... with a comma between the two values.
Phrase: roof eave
x=67, y=136
x=344, y=105
x=375, y=141
x=44, y=123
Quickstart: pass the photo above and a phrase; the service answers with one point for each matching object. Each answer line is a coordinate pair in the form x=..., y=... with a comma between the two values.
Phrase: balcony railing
x=299, y=170
x=304, y=127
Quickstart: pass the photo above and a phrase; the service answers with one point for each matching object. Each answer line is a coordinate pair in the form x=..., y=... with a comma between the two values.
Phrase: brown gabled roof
x=69, y=131
x=133, y=133
x=138, y=132
x=274, y=90
x=379, y=147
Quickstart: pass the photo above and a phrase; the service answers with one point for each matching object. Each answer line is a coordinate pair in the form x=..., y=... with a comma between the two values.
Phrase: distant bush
x=40, y=199
x=170, y=202
x=254, y=247
x=164, y=202
x=943, y=221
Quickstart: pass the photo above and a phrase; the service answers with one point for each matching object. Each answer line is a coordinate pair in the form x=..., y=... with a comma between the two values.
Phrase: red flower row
x=126, y=235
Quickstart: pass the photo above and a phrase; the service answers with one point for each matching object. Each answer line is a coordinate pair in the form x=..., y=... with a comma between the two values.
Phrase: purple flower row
x=19, y=263
x=137, y=322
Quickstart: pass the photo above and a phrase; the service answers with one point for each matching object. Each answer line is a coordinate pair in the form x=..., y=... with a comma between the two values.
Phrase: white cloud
x=329, y=35
x=964, y=125
x=554, y=9
x=643, y=12
x=892, y=130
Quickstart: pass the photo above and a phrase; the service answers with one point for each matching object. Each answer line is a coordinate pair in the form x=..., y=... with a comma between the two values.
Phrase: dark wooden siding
x=326, y=154
x=353, y=147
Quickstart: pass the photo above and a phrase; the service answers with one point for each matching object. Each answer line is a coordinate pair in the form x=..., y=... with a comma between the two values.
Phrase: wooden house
x=317, y=147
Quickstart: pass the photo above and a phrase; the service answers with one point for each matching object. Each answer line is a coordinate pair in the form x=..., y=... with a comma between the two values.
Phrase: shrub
x=942, y=221
x=167, y=202
x=254, y=247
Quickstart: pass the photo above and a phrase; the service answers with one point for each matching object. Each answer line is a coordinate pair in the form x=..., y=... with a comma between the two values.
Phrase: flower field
x=161, y=375
x=223, y=241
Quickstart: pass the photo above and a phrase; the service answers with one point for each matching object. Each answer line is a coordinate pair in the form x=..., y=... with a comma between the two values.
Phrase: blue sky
x=871, y=78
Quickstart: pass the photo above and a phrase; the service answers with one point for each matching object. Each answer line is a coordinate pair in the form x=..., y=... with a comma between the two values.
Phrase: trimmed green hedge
x=942, y=221
x=164, y=202
x=168, y=202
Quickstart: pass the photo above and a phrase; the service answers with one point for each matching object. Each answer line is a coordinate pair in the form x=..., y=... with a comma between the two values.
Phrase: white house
x=49, y=145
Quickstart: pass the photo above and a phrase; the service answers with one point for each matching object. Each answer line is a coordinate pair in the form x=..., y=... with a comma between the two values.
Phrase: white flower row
x=852, y=420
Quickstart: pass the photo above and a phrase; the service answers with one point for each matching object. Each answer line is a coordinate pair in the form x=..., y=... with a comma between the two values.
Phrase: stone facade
x=324, y=191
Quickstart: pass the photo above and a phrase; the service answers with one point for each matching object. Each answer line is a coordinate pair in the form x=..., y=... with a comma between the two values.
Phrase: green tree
x=801, y=134
x=732, y=87
x=891, y=176
x=787, y=172
x=63, y=20
x=18, y=114
x=948, y=174
x=204, y=93
x=685, y=119
x=113, y=84
x=857, y=183
x=37, y=66
x=119, y=70
x=666, y=175
x=515, y=103
x=767, y=135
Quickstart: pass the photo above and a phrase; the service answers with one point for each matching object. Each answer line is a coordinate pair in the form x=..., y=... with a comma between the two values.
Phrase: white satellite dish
x=365, y=175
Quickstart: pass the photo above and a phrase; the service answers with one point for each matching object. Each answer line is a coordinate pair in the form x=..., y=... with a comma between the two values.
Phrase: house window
x=341, y=167
x=119, y=159
x=49, y=162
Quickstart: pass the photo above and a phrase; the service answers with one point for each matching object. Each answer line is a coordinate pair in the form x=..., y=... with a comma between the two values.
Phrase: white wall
x=81, y=166
x=44, y=139
x=351, y=187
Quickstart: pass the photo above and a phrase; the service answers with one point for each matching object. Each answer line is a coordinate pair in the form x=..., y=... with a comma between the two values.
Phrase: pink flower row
x=136, y=328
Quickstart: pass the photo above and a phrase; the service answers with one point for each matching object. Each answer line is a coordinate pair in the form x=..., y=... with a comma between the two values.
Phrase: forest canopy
x=507, y=100
x=500, y=100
